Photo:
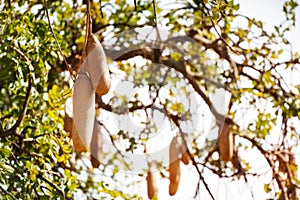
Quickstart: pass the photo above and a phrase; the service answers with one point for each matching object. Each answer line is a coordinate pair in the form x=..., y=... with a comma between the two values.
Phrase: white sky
x=270, y=13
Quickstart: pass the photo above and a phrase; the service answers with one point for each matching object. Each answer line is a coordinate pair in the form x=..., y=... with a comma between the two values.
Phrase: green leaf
x=267, y=188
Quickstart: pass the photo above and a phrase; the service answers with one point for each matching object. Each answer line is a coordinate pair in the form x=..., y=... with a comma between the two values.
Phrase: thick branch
x=26, y=101
x=177, y=65
x=55, y=38
x=125, y=54
x=24, y=108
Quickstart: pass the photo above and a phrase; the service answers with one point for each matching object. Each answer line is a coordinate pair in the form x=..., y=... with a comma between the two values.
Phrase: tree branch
x=8, y=193
x=271, y=163
x=27, y=96
x=1, y=128
x=55, y=38
x=25, y=105
x=177, y=65
x=51, y=184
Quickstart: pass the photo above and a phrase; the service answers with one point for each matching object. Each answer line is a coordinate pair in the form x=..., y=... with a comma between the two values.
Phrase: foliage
x=37, y=160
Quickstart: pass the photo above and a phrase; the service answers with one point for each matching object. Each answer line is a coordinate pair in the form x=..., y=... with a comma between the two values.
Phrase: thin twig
x=114, y=144
x=25, y=104
x=158, y=39
x=88, y=29
x=1, y=128
x=55, y=38
x=134, y=5
x=8, y=193
x=197, y=168
x=52, y=184
x=101, y=9
x=88, y=19
x=154, y=10
x=231, y=61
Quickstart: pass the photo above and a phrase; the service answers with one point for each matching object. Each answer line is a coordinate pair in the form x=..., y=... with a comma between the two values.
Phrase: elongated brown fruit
x=68, y=123
x=174, y=169
x=174, y=150
x=185, y=158
x=151, y=185
x=174, y=166
x=83, y=110
x=77, y=143
x=225, y=142
x=96, y=145
x=94, y=60
x=68, y=120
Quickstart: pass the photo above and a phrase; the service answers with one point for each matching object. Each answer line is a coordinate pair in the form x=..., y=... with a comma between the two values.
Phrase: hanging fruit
x=94, y=60
x=151, y=185
x=185, y=156
x=226, y=142
x=83, y=111
x=93, y=76
x=174, y=166
x=68, y=119
x=96, y=145
x=68, y=124
x=77, y=142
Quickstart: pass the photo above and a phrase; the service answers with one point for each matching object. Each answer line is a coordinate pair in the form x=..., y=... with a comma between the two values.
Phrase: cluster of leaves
x=32, y=142
x=36, y=156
